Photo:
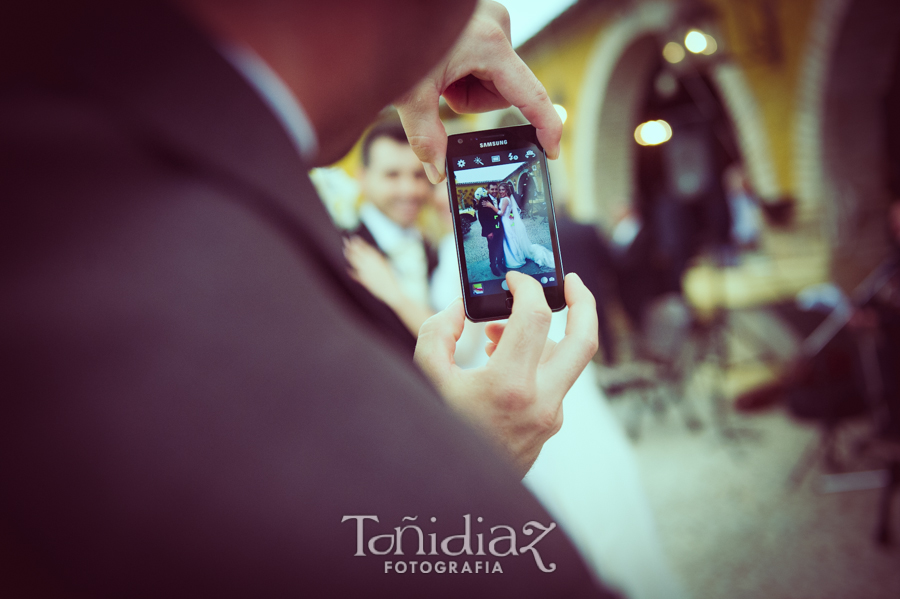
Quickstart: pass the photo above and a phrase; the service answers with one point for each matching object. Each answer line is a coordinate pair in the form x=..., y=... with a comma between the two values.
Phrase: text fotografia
x=500, y=541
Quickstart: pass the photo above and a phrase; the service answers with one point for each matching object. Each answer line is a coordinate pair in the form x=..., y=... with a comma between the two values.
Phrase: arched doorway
x=613, y=89
x=844, y=151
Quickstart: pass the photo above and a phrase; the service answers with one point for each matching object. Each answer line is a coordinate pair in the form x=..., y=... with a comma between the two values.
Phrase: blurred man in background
x=395, y=190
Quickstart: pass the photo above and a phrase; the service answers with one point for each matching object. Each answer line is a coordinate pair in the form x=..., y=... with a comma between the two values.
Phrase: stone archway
x=611, y=95
x=611, y=88
x=840, y=147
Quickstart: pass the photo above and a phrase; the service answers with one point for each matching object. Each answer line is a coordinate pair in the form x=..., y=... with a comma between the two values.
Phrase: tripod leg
x=810, y=456
x=691, y=419
x=633, y=427
x=883, y=529
x=684, y=404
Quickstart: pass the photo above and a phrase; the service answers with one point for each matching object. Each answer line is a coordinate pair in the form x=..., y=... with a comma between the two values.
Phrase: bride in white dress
x=517, y=247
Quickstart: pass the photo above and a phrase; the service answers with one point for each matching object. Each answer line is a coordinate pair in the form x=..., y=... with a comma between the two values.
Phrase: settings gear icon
x=461, y=163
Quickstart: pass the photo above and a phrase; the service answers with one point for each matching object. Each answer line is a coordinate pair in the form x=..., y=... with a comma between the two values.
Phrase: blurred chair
x=828, y=392
x=663, y=359
x=841, y=379
x=885, y=441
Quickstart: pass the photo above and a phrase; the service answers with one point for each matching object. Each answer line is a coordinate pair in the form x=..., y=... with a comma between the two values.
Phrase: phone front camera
x=459, y=141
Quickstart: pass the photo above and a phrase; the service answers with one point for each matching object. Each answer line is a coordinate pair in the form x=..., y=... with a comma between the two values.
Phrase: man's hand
x=492, y=207
x=481, y=73
x=517, y=397
x=372, y=270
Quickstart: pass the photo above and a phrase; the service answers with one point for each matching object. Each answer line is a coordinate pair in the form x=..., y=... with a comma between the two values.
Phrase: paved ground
x=732, y=526
x=733, y=529
x=477, y=249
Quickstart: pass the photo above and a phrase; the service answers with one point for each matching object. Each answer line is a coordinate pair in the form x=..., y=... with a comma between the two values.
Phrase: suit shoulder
x=48, y=123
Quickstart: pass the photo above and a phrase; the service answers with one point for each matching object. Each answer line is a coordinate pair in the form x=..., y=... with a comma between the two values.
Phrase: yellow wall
x=774, y=84
x=559, y=63
x=560, y=60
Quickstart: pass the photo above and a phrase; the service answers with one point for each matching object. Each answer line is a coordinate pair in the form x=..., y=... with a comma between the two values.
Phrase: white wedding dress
x=517, y=247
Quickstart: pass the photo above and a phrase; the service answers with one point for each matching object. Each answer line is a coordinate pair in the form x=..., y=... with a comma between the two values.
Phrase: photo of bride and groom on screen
x=513, y=242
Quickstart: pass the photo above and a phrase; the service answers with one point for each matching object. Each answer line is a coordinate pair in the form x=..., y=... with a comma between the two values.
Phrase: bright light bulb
x=653, y=133
x=637, y=135
x=673, y=52
x=695, y=41
x=667, y=128
x=711, y=45
x=561, y=112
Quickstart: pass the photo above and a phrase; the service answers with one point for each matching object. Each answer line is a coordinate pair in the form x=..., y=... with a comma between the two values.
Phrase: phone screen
x=504, y=219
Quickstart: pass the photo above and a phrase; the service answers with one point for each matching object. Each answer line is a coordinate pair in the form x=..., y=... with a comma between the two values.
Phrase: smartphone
x=503, y=218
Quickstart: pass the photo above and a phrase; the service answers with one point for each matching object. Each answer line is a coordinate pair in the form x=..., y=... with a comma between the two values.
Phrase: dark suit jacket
x=490, y=220
x=362, y=231
x=380, y=313
x=585, y=253
x=194, y=395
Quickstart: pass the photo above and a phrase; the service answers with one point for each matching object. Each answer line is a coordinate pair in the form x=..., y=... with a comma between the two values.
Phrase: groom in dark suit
x=196, y=400
x=491, y=229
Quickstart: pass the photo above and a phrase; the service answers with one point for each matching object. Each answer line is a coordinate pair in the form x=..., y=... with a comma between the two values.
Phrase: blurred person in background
x=395, y=190
x=746, y=220
x=642, y=272
x=196, y=396
x=585, y=252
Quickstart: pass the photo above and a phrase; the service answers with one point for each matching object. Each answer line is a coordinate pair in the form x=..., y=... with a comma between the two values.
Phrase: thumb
x=418, y=112
x=437, y=342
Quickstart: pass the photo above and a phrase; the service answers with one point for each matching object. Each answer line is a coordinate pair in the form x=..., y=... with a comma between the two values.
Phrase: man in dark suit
x=491, y=229
x=196, y=400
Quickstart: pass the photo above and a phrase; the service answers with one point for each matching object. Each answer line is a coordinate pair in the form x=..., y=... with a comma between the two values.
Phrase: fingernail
x=432, y=173
x=553, y=153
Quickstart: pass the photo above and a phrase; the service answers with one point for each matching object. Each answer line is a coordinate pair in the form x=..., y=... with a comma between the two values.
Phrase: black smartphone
x=503, y=218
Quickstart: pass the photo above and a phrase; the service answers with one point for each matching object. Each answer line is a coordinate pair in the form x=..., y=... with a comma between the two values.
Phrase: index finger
x=515, y=82
x=418, y=112
x=519, y=349
x=436, y=342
